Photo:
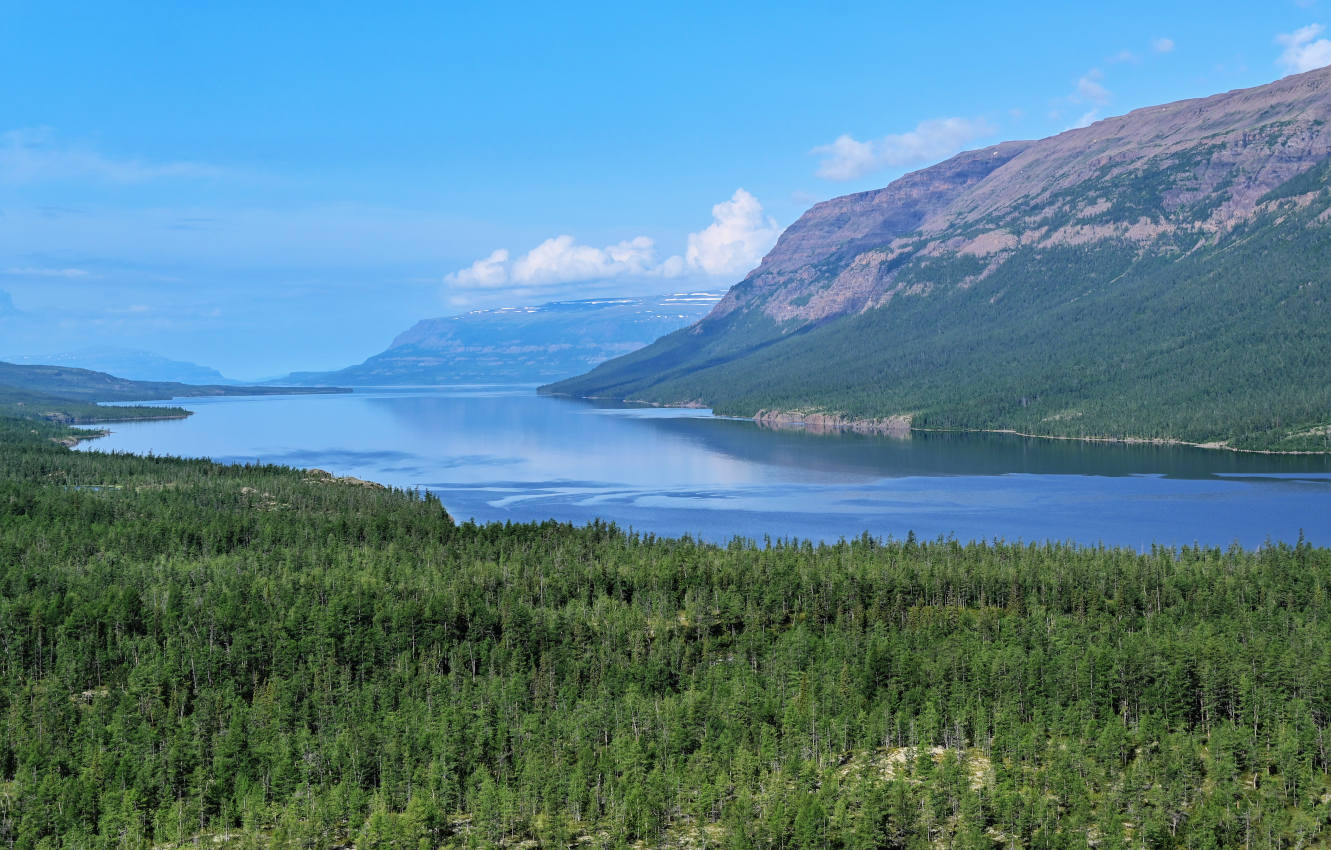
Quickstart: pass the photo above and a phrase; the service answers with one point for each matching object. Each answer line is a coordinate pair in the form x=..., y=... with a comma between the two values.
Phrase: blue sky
x=269, y=187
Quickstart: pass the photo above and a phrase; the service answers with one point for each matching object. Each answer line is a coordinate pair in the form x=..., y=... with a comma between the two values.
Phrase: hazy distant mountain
x=71, y=383
x=539, y=343
x=126, y=363
x=1163, y=274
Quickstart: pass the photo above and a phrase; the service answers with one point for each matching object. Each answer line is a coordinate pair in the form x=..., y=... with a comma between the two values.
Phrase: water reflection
x=497, y=453
x=872, y=456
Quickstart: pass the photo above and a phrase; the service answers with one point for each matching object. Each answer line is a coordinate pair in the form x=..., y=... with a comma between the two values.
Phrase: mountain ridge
x=131, y=364
x=1110, y=281
x=86, y=385
x=523, y=344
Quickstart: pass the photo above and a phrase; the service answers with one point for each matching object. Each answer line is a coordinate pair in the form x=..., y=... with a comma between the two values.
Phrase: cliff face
x=521, y=344
x=843, y=227
x=1194, y=168
x=1055, y=286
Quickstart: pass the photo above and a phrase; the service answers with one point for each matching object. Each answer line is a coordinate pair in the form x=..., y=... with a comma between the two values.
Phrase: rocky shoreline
x=828, y=423
x=900, y=426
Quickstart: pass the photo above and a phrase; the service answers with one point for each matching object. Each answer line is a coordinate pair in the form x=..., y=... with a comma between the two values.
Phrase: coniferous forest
x=194, y=654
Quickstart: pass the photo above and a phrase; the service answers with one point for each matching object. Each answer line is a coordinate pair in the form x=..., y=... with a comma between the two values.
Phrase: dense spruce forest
x=194, y=654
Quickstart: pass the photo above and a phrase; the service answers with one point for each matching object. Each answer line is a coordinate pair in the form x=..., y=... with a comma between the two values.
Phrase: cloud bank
x=1304, y=51
x=733, y=243
x=848, y=158
x=736, y=239
x=559, y=259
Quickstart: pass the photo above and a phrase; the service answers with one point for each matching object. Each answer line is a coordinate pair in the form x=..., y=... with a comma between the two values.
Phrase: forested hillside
x=1158, y=275
x=202, y=655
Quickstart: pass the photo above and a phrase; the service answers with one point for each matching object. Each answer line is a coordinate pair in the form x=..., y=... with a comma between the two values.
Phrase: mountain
x=127, y=362
x=84, y=385
x=1162, y=275
x=541, y=343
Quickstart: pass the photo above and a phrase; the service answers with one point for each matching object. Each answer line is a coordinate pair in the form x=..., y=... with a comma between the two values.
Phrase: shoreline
x=163, y=418
x=900, y=426
x=72, y=440
x=1128, y=441
x=86, y=435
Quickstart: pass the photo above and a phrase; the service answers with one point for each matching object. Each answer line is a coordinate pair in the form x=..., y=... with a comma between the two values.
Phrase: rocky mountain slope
x=1158, y=275
x=528, y=344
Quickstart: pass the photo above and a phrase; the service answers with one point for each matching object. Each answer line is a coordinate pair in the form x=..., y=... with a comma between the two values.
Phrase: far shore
x=81, y=436
x=900, y=426
x=1131, y=441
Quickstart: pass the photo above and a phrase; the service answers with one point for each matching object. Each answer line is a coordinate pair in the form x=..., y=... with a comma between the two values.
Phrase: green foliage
x=1195, y=338
x=1312, y=180
x=256, y=656
x=25, y=404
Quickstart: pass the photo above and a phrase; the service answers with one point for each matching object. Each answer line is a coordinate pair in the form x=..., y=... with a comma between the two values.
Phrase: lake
x=505, y=453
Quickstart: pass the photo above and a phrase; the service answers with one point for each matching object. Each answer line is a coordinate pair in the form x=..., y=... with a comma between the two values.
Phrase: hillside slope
x=65, y=382
x=1159, y=275
x=130, y=363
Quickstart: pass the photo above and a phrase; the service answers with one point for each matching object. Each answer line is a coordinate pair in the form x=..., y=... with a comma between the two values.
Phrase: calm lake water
x=505, y=453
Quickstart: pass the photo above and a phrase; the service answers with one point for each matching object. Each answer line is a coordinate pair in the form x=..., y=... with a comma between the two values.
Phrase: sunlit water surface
x=505, y=453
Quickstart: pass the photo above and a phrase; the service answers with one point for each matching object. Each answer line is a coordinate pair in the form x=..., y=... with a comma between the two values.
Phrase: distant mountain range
x=127, y=363
x=1162, y=275
x=521, y=344
x=67, y=394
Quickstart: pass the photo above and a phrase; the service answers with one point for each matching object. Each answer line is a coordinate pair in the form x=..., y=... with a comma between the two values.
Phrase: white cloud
x=559, y=259
x=847, y=158
x=32, y=155
x=488, y=272
x=29, y=271
x=673, y=266
x=562, y=260
x=1163, y=45
x=736, y=239
x=1125, y=55
x=1304, y=51
x=1090, y=89
x=734, y=242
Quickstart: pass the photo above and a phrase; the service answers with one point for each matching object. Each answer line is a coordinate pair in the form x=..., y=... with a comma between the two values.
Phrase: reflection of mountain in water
x=514, y=420
x=931, y=453
x=499, y=454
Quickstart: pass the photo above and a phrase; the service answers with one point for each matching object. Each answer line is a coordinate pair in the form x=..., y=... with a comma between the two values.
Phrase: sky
x=265, y=187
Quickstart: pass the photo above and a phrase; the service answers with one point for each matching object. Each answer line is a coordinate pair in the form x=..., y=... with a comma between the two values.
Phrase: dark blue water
x=504, y=453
